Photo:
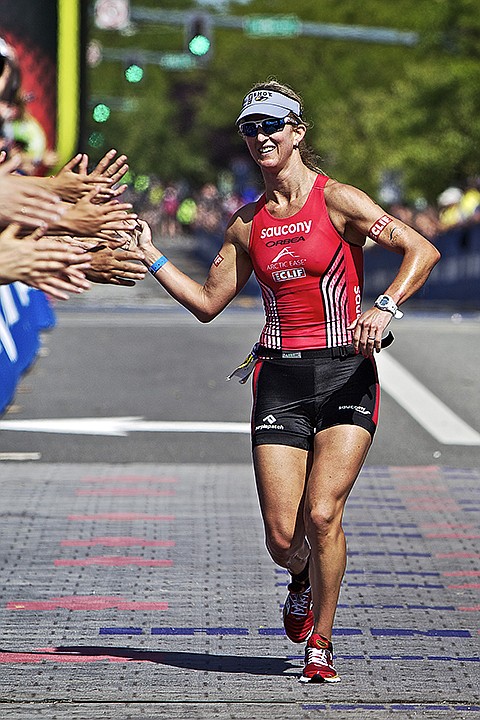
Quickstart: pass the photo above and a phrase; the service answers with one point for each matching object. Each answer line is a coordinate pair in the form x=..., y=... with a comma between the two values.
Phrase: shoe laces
x=300, y=602
x=319, y=656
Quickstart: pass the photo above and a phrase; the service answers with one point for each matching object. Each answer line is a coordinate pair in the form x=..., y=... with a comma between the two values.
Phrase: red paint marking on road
x=475, y=608
x=125, y=492
x=117, y=542
x=466, y=586
x=462, y=573
x=85, y=602
x=114, y=561
x=130, y=479
x=121, y=516
x=458, y=555
x=52, y=656
x=452, y=536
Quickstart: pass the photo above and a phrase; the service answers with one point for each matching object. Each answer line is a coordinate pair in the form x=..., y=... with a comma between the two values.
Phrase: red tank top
x=311, y=278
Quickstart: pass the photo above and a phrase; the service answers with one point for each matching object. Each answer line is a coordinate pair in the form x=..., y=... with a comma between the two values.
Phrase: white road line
x=20, y=456
x=432, y=414
x=425, y=407
x=119, y=426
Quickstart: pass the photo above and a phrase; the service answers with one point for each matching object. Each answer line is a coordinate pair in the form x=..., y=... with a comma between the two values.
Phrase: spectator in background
x=470, y=202
x=186, y=214
x=450, y=211
x=209, y=210
x=426, y=221
x=169, y=207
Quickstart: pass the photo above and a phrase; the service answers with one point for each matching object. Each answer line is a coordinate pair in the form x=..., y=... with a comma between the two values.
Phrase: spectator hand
x=110, y=169
x=86, y=217
x=21, y=201
x=71, y=185
x=43, y=263
x=114, y=266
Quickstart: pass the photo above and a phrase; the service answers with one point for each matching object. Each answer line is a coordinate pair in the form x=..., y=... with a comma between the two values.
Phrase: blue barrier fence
x=24, y=313
x=456, y=277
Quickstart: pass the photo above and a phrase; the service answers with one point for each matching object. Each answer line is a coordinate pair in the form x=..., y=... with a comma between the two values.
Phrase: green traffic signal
x=199, y=45
x=134, y=73
x=198, y=36
x=101, y=113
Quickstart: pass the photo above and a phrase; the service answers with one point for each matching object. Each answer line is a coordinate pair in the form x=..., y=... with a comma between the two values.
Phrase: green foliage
x=374, y=108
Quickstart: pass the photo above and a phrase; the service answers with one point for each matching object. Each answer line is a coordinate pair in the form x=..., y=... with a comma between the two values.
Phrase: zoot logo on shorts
x=269, y=423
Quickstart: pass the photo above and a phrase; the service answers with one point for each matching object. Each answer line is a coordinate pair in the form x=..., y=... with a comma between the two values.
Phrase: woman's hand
x=368, y=330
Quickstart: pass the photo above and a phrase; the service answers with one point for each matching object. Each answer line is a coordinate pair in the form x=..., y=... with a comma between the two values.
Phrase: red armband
x=378, y=226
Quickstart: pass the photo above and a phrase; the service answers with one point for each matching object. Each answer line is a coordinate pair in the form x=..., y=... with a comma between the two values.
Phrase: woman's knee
x=281, y=546
x=323, y=520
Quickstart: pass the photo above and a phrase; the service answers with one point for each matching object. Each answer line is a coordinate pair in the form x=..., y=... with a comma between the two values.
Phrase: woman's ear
x=299, y=131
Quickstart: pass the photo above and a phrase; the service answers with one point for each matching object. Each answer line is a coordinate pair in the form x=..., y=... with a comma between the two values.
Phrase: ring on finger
x=369, y=337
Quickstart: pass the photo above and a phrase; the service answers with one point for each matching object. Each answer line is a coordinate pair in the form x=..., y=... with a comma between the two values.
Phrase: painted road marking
x=428, y=410
x=425, y=407
x=120, y=426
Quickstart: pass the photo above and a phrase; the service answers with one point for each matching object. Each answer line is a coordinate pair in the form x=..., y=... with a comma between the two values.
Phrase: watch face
x=383, y=302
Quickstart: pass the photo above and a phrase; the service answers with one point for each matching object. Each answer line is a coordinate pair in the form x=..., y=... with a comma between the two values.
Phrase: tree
x=374, y=108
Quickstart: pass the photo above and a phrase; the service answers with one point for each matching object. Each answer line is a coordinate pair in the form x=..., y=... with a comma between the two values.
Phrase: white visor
x=268, y=103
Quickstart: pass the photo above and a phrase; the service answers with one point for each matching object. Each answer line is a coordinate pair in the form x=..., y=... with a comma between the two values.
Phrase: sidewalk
x=145, y=591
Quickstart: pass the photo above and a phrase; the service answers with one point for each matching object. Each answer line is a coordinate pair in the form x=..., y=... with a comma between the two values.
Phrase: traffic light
x=101, y=112
x=198, y=36
x=134, y=72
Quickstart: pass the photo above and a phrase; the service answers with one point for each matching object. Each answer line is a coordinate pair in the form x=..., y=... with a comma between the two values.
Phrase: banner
x=24, y=313
x=46, y=36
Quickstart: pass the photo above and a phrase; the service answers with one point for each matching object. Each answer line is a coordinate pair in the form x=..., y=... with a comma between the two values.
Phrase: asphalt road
x=134, y=581
x=132, y=353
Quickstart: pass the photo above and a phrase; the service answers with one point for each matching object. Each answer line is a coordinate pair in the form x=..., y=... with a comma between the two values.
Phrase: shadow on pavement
x=187, y=660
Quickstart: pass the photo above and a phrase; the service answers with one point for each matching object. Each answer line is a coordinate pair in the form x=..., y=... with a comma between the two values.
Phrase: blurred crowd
x=174, y=209
x=455, y=208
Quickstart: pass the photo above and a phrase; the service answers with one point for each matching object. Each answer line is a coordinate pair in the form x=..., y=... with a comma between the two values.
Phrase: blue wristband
x=157, y=264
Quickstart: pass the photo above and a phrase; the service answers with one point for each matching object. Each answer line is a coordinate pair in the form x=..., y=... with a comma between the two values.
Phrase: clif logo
x=292, y=274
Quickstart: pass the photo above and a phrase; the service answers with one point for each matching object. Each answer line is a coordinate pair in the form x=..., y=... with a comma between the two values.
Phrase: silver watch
x=385, y=302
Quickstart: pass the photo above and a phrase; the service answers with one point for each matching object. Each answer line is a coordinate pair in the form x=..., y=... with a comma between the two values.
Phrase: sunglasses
x=268, y=126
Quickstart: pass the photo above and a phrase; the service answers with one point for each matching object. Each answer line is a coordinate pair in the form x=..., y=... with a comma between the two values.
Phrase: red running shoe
x=298, y=614
x=319, y=666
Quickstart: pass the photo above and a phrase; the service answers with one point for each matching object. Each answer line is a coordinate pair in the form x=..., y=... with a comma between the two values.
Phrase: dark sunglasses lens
x=272, y=125
x=268, y=126
x=249, y=129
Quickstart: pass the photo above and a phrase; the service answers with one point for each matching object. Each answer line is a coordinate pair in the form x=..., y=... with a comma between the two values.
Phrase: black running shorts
x=293, y=399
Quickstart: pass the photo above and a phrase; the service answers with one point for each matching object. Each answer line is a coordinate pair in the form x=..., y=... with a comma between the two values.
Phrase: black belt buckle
x=342, y=351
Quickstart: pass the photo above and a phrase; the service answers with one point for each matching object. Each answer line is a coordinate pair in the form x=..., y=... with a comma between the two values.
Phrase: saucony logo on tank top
x=287, y=229
x=311, y=278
